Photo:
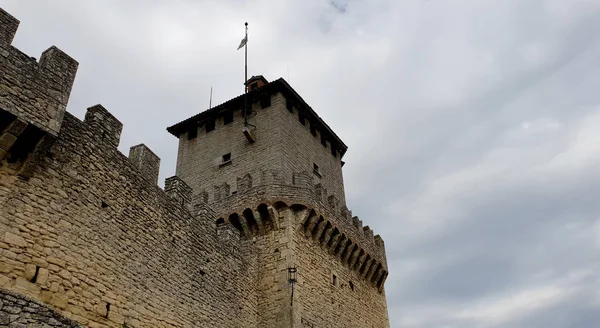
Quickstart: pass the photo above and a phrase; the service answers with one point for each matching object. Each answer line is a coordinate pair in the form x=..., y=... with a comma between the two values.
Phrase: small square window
x=316, y=170
x=210, y=125
x=227, y=117
x=226, y=158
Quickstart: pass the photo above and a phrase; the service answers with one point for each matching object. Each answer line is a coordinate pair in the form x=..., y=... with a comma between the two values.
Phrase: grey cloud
x=472, y=127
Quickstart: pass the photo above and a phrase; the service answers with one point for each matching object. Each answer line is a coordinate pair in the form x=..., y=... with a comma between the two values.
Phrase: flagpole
x=246, y=79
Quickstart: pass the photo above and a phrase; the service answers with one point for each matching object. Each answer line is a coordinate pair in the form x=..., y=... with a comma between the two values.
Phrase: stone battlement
x=88, y=238
x=37, y=92
x=270, y=187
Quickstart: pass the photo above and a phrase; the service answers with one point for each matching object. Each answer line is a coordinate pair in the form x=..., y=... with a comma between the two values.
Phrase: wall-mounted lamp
x=292, y=279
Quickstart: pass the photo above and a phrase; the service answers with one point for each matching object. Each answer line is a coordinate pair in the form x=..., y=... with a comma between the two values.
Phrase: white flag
x=243, y=43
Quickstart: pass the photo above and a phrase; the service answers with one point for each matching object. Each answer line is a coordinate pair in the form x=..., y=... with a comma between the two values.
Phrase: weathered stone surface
x=20, y=311
x=87, y=232
x=16, y=240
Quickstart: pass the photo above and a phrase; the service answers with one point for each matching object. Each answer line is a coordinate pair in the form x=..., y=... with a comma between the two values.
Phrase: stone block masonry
x=19, y=311
x=37, y=92
x=87, y=238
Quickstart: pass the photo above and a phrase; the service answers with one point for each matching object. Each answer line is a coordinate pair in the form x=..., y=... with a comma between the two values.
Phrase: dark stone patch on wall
x=19, y=311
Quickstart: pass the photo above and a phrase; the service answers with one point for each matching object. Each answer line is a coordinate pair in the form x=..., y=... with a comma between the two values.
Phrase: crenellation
x=36, y=92
x=9, y=26
x=368, y=233
x=216, y=193
x=179, y=191
x=347, y=223
x=379, y=241
x=319, y=191
x=200, y=198
x=302, y=179
x=58, y=70
x=333, y=202
x=146, y=161
x=244, y=183
x=94, y=238
x=105, y=127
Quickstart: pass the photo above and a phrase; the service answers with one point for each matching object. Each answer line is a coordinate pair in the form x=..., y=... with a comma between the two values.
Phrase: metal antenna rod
x=246, y=79
x=210, y=101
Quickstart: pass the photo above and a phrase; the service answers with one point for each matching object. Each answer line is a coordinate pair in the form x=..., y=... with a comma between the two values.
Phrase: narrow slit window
x=323, y=141
x=289, y=105
x=35, y=276
x=316, y=170
x=313, y=130
x=226, y=158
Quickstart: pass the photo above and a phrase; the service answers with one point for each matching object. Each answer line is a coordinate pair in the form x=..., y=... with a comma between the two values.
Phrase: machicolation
x=252, y=231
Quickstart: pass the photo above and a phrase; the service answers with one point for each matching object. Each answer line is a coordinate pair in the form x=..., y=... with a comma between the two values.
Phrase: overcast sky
x=473, y=127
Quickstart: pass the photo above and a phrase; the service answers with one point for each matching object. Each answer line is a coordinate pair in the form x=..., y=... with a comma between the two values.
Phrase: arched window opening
x=374, y=277
x=335, y=233
x=316, y=227
x=358, y=263
x=353, y=249
x=340, y=244
x=263, y=211
x=324, y=233
x=234, y=219
x=249, y=216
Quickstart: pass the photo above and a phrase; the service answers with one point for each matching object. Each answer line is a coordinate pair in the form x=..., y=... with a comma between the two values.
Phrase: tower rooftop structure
x=252, y=231
x=270, y=88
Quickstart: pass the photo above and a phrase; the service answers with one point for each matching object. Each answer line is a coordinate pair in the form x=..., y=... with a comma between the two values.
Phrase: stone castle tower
x=252, y=231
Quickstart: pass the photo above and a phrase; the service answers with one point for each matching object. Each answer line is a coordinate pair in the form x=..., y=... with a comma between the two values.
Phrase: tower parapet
x=101, y=243
x=226, y=201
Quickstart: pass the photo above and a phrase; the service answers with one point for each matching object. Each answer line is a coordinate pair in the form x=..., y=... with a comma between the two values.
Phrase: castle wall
x=91, y=237
x=87, y=232
x=19, y=311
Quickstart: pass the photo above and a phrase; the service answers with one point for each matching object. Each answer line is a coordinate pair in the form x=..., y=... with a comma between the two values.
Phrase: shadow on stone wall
x=20, y=311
